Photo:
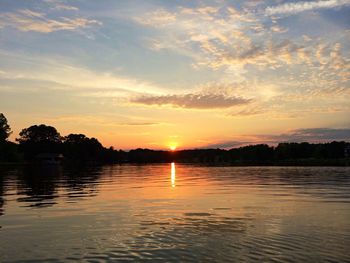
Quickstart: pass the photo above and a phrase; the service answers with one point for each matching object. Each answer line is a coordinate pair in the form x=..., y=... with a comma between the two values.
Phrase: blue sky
x=190, y=73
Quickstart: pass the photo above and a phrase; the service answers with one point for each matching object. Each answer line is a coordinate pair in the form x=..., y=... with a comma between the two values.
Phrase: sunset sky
x=188, y=73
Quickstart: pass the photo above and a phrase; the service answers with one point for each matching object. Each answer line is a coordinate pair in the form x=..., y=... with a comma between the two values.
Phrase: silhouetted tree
x=8, y=150
x=5, y=129
x=260, y=154
x=81, y=148
x=39, y=139
x=78, y=147
x=147, y=156
x=333, y=150
x=39, y=133
x=304, y=150
x=111, y=155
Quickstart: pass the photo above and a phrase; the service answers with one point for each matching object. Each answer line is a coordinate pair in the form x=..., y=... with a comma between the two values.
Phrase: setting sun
x=173, y=147
x=203, y=130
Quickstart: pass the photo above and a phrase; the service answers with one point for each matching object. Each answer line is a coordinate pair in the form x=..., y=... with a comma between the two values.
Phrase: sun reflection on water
x=173, y=174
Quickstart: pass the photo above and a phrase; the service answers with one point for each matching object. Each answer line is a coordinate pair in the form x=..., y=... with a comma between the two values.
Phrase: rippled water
x=175, y=213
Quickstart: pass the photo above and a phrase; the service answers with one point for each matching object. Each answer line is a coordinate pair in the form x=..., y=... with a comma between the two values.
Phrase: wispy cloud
x=251, y=111
x=159, y=17
x=99, y=120
x=200, y=32
x=229, y=39
x=254, y=54
x=192, y=100
x=140, y=123
x=60, y=5
x=28, y=20
x=226, y=145
x=313, y=135
x=298, y=7
x=55, y=73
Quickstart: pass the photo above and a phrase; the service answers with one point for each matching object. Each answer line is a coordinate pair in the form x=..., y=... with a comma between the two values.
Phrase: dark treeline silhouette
x=333, y=153
x=75, y=147
x=38, y=139
x=8, y=150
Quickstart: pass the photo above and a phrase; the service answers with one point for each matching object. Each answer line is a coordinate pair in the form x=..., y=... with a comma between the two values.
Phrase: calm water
x=175, y=213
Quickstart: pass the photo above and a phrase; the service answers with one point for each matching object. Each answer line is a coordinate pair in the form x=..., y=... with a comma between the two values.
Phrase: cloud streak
x=312, y=135
x=227, y=145
x=298, y=7
x=315, y=135
x=192, y=101
x=239, y=42
x=309, y=135
x=28, y=20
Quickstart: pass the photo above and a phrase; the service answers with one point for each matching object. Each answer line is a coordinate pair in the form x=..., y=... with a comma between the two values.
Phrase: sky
x=191, y=74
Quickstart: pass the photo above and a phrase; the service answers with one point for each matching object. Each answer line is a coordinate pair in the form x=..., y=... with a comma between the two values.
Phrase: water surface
x=175, y=212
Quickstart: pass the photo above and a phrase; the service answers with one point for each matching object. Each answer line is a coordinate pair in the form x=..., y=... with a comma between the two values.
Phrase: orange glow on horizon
x=173, y=147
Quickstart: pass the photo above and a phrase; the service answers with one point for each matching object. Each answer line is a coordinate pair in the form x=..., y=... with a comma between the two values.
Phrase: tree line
x=332, y=153
x=38, y=139
x=42, y=138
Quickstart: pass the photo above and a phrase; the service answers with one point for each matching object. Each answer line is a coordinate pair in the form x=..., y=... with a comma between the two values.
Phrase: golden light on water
x=173, y=174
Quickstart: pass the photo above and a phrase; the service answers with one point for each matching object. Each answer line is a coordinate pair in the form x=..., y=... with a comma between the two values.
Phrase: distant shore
x=297, y=162
x=44, y=144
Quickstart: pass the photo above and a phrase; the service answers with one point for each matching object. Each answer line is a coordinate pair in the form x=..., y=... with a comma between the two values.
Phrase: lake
x=175, y=212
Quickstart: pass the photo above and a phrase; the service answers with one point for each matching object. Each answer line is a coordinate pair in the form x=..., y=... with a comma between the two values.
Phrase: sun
x=172, y=147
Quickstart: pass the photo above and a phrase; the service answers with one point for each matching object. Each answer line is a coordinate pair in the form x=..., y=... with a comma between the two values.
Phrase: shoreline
x=344, y=162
